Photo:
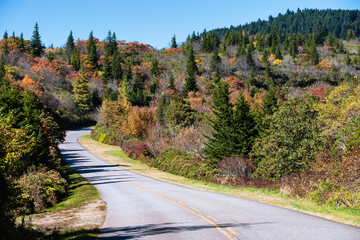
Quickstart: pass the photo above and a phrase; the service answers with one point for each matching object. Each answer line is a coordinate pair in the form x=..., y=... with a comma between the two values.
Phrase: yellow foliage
x=341, y=106
x=138, y=121
x=326, y=64
x=28, y=83
x=278, y=62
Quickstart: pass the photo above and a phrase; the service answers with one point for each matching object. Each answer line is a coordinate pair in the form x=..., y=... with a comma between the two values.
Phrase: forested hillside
x=336, y=22
x=254, y=108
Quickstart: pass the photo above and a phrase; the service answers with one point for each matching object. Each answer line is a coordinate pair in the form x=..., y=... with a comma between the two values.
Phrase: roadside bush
x=136, y=150
x=43, y=188
x=235, y=166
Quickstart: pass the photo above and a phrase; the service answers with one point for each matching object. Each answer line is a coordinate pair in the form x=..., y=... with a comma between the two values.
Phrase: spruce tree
x=314, y=55
x=81, y=92
x=75, y=59
x=154, y=70
x=278, y=54
x=36, y=46
x=106, y=75
x=5, y=46
x=50, y=56
x=91, y=51
x=116, y=70
x=244, y=127
x=190, y=78
x=22, y=43
x=173, y=42
x=215, y=60
x=171, y=82
x=218, y=145
x=69, y=47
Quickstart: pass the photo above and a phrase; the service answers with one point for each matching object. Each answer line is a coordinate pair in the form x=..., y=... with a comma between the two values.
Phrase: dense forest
x=256, y=106
x=336, y=22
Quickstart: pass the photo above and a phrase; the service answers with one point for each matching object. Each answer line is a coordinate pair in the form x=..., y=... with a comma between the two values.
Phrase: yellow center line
x=181, y=202
x=231, y=230
x=190, y=210
x=195, y=209
x=213, y=218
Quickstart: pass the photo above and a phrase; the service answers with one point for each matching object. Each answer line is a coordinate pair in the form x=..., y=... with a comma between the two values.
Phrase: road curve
x=140, y=207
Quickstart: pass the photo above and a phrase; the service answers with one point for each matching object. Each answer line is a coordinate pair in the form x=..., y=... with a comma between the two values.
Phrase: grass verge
x=79, y=216
x=115, y=155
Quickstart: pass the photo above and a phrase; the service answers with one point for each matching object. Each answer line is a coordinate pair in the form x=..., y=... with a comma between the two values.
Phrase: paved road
x=140, y=207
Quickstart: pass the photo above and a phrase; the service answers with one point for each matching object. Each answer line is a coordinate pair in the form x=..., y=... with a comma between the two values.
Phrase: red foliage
x=174, y=51
x=235, y=84
x=136, y=150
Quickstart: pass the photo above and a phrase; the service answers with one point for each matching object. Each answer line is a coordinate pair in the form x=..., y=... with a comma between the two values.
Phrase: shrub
x=235, y=166
x=44, y=188
x=136, y=150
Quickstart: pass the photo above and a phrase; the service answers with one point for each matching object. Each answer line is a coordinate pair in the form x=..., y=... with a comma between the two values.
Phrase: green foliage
x=92, y=52
x=179, y=114
x=36, y=46
x=180, y=163
x=137, y=95
x=69, y=47
x=210, y=41
x=75, y=59
x=173, y=42
x=171, y=82
x=155, y=70
x=50, y=56
x=116, y=70
x=5, y=47
x=293, y=126
x=107, y=74
x=314, y=55
x=234, y=130
x=81, y=92
x=191, y=69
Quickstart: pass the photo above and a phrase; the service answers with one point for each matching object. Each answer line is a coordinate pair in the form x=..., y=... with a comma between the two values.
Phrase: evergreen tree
x=347, y=59
x=215, y=60
x=81, y=92
x=116, y=69
x=106, y=75
x=245, y=131
x=22, y=43
x=154, y=70
x=264, y=57
x=350, y=35
x=5, y=46
x=111, y=44
x=191, y=69
x=319, y=36
x=278, y=54
x=173, y=42
x=218, y=145
x=171, y=82
x=249, y=58
x=36, y=46
x=138, y=96
x=314, y=55
x=75, y=59
x=50, y=56
x=69, y=47
x=330, y=40
x=91, y=51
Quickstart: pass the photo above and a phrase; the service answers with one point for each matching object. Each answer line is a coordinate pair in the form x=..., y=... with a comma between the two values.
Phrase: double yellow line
x=192, y=210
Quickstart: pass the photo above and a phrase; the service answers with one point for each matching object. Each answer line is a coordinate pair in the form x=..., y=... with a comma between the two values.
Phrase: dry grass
x=115, y=155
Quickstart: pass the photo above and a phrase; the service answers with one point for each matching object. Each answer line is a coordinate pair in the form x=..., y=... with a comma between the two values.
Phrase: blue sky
x=153, y=22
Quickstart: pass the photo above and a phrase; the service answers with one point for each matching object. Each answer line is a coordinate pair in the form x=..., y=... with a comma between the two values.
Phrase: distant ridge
x=337, y=22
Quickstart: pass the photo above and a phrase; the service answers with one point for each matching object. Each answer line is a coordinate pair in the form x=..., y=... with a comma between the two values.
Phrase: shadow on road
x=135, y=232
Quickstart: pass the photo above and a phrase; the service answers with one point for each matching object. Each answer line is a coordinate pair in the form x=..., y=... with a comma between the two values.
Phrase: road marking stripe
x=195, y=209
x=192, y=211
x=213, y=218
x=232, y=230
x=181, y=202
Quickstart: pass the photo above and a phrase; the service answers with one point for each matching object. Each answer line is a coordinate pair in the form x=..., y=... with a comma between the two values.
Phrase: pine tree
x=245, y=131
x=5, y=46
x=91, y=51
x=36, y=46
x=154, y=70
x=81, y=92
x=330, y=40
x=249, y=58
x=50, y=56
x=111, y=44
x=278, y=54
x=269, y=103
x=190, y=78
x=215, y=60
x=75, y=59
x=314, y=55
x=218, y=145
x=106, y=75
x=138, y=96
x=319, y=36
x=69, y=47
x=171, y=82
x=173, y=42
x=22, y=43
x=116, y=70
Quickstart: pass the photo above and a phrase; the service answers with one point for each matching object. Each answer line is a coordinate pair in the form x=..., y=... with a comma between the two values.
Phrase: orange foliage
x=174, y=51
x=134, y=47
x=330, y=48
x=41, y=65
x=326, y=64
x=28, y=83
x=232, y=60
x=138, y=121
x=234, y=83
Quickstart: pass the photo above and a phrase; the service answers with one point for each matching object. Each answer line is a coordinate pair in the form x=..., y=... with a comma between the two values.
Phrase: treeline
x=336, y=22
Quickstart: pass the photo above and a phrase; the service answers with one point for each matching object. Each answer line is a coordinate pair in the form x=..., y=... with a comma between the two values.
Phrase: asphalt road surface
x=140, y=207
